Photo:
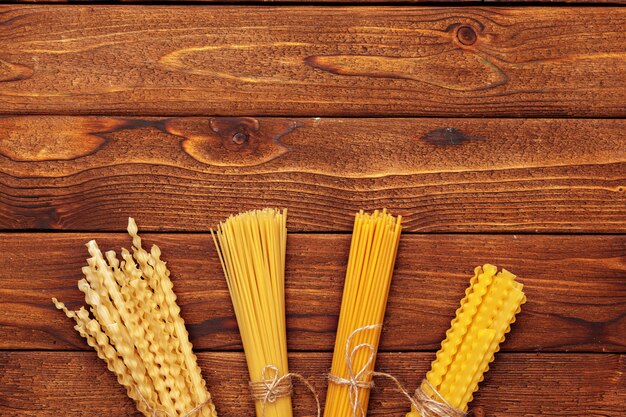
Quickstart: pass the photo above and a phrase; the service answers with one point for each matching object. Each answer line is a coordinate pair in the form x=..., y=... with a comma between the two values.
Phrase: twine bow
x=427, y=406
x=271, y=389
x=422, y=402
x=356, y=380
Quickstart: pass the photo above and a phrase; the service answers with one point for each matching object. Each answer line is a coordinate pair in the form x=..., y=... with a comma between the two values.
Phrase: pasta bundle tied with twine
x=252, y=250
x=372, y=257
x=482, y=321
x=134, y=325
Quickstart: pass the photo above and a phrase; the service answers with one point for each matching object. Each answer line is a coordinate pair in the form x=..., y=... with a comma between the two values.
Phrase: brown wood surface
x=460, y=175
x=307, y=2
x=575, y=286
x=73, y=159
x=313, y=61
x=49, y=384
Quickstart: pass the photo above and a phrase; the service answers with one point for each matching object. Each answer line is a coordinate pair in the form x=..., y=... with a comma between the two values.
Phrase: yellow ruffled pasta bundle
x=252, y=249
x=373, y=249
x=136, y=328
x=484, y=317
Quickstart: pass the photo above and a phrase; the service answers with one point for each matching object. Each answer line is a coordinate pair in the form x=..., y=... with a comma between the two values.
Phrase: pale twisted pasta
x=136, y=328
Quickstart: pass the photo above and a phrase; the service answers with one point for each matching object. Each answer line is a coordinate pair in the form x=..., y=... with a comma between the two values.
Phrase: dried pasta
x=252, y=248
x=134, y=325
x=481, y=323
x=372, y=257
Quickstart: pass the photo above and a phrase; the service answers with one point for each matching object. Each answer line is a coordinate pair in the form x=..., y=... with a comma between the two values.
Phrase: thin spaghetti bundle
x=482, y=321
x=252, y=248
x=134, y=325
x=373, y=251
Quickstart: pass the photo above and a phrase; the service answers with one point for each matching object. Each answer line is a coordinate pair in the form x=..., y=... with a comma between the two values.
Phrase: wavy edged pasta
x=485, y=316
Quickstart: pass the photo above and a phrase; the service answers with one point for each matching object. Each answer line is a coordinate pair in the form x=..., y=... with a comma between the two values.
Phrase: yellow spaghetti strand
x=252, y=247
x=373, y=250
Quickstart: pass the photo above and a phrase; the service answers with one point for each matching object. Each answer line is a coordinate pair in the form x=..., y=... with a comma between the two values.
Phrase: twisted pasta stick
x=136, y=328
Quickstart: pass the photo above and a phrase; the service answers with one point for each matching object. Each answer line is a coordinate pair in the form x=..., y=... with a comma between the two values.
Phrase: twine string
x=422, y=402
x=433, y=407
x=269, y=390
x=154, y=412
x=195, y=409
x=357, y=380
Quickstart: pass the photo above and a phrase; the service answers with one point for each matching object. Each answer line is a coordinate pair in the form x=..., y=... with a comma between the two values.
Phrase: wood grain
x=48, y=384
x=575, y=286
x=184, y=174
x=307, y=2
x=304, y=61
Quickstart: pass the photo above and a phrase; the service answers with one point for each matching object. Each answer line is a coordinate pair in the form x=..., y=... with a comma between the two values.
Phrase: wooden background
x=497, y=131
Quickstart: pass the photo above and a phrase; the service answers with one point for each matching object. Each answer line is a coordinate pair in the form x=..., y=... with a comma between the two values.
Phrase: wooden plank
x=322, y=61
x=306, y=2
x=575, y=286
x=41, y=384
x=183, y=174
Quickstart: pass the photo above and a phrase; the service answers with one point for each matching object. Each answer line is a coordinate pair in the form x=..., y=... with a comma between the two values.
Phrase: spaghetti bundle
x=373, y=251
x=252, y=247
x=136, y=328
x=484, y=317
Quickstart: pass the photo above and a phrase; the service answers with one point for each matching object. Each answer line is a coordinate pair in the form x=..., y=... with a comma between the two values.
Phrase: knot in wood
x=466, y=35
x=240, y=138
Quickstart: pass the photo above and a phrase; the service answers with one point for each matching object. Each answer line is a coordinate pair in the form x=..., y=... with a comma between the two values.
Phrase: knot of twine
x=271, y=389
x=422, y=402
x=427, y=406
x=357, y=380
